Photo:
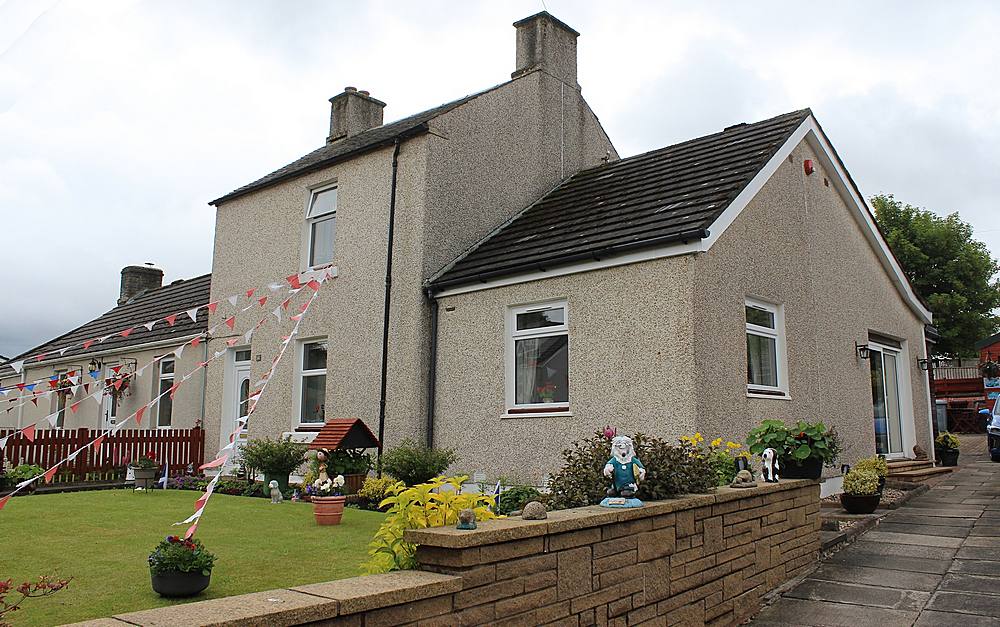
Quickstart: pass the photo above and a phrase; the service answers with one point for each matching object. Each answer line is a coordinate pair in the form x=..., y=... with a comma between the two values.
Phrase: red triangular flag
x=88, y=344
x=250, y=292
x=41, y=357
x=173, y=390
x=262, y=300
x=304, y=306
x=313, y=285
x=171, y=319
x=296, y=317
x=118, y=383
x=218, y=461
x=34, y=399
x=4, y=500
x=231, y=322
x=200, y=503
x=293, y=280
x=51, y=472
x=86, y=388
x=284, y=303
x=126, y=332
x=97, y=443
x=138, y=414
x=202, y=364
x=212, y=307
x=29, y=433
x=75, y=406
x=20, y=387
x=232, y=342
x=196, y=341
x=116, y=369
x=191, y=530
x=53, y=384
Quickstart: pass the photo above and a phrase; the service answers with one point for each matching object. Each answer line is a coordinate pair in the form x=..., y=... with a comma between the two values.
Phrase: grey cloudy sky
x=119, y=121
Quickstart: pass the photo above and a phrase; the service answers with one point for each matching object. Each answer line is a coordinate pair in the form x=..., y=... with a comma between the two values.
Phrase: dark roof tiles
x=671, y=194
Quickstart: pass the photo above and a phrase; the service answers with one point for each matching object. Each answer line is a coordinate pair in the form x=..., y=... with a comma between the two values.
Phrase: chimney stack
x=548, y=44
x=351, y=112
x=136, y=279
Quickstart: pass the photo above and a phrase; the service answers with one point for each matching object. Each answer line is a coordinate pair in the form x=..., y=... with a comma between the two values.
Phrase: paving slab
x=912, y=538
x=976, y=567
x=939, y=512
x=902, y=516
x=978, y=553
x=932, y=618
x=988, y=529
x=985, y=542
x=966, y=603
x=801, y=612
x=870, y=596
x=848, y=557
x=962, y=582
x=929, y=530
x=903, y=550
x=921, y=582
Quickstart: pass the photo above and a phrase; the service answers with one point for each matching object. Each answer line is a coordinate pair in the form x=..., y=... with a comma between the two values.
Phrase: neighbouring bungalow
x=503, y=284
x=79, y=368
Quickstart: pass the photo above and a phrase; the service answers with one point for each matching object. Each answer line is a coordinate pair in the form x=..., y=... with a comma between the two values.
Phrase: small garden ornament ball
x=625, y=471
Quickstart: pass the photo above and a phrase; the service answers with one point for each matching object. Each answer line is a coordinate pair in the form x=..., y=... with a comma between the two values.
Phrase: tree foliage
x=953, y=272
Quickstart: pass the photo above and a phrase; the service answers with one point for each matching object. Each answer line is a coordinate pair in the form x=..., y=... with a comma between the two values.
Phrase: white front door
x=109, y=402
x=237, y=394
x=890, y=398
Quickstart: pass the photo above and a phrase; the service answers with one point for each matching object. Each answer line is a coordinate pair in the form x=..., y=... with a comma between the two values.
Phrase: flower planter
x=810, y=469
x=948, y=456
x=176, y=584
x=145, y=477
x=860, y=503
x=328, y=509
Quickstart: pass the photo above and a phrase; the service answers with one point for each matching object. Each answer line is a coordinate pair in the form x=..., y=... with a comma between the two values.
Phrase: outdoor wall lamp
x=862, y=350
x=95, y=365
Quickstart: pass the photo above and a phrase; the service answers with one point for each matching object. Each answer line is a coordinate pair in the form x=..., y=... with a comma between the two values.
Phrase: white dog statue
x=276, y=496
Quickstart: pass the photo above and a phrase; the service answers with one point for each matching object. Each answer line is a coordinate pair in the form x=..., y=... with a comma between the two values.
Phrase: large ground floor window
x=538, y=357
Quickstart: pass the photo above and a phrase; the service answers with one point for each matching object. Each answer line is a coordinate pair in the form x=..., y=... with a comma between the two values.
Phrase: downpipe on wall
x=387, y=302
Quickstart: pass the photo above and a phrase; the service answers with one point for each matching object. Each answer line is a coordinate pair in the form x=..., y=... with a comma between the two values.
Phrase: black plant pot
x=881, y=484
x=949, y=456
x=176, y=585
x=860, y=503
x=809, y=469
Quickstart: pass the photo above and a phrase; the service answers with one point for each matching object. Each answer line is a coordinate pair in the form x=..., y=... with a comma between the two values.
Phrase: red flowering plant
x=177, y=554
x=547, y=392
x=44, y=587
x=146, y=461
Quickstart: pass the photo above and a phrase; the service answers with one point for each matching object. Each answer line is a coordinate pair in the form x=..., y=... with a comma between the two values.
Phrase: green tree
x=950, y=270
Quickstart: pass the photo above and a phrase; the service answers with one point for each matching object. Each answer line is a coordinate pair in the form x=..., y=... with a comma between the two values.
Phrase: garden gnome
x=276, y=496
x=466, y=520
x=625, y=471
x=322, y=455
x=769, y=465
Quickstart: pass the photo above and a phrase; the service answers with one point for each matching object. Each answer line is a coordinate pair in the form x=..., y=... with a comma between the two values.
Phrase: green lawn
x=102, y=539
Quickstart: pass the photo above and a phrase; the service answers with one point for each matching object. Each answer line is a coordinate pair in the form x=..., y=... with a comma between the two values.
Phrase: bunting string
x=101, y=384
x=241, y=424
x=309, y=278
x=48, y=474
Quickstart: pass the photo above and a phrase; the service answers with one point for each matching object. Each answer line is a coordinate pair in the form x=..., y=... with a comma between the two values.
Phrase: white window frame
x=779, y=391
x=512, y=334
x=301, y=374
x=307, y=240
x=60, y=398
x=160, y=378
x=904, y=389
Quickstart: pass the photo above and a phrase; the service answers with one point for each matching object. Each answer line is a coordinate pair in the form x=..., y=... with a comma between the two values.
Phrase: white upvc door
x=236, y=397
x=893, y=408
x=109, y=402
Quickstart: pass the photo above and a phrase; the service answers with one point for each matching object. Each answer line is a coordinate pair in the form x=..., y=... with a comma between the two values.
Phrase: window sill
x=774, y=397
x=543, y=412
x=308, y=427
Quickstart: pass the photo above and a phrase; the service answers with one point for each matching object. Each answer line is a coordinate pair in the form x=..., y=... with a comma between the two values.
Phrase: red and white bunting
x=193, y=314
x=29, y=433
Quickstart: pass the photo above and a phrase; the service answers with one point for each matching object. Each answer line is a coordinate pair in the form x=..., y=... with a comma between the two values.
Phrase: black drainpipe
x=388, y=298
x=432, y=368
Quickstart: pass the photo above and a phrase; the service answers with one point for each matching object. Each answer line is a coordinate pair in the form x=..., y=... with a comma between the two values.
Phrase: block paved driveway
x=933, y=562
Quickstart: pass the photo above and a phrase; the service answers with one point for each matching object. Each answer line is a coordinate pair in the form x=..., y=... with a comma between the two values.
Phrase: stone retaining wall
x=696, y=560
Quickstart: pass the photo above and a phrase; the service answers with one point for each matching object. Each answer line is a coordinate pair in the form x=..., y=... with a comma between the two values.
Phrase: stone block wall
x=698, y=560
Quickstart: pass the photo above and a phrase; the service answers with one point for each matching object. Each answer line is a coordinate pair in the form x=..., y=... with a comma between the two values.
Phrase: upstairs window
x=312, y=383
x=321, y=222
x=538, y=358
x=765, y=349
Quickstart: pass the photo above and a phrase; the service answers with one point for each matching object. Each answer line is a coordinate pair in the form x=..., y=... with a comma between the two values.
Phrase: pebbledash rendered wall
x=696, y=560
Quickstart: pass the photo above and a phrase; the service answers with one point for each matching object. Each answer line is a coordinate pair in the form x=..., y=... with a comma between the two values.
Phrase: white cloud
x=120, y=120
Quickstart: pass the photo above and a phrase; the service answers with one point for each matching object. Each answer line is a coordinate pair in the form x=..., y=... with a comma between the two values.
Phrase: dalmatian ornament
x=769, y=465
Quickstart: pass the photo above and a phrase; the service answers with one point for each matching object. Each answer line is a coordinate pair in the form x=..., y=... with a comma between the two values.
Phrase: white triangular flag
x=217, y=353
x=75, y=390
x=274, y=287
x=5, y=391
x=53, y=419
x=25, y=483
x=17, y=365
x=232, y=299
x=141, y=370
x=97, y=398
x=277, y=312
x=193, y=314
x=62, y=351
x=3, y=442
x=179, y=350
x=149, y=325
x=101, y=339
x=73, y=455
x=247, y=336
x=193, y=517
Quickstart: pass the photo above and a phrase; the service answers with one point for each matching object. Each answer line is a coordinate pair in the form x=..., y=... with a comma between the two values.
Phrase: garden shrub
x=177, y=554
x=722, y=458
x=796, y=445
x=516, y=497
x=273, y=457
x=415, y=464
x=373, y=491
x=861, y=482
x=435, y=503
x=945, y=440
x=875, y=464
x=24, y=472
x=670, y=471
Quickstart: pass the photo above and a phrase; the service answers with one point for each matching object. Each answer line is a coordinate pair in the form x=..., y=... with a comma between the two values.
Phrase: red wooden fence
x=175, y=447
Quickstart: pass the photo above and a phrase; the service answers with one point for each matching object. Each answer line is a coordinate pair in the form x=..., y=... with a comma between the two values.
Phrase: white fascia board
x=673, y=250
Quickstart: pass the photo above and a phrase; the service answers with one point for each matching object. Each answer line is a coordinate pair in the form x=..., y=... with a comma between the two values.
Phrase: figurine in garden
x=466, y=520
x=769, y=465
x=322, y=456
x=625, y=471
x=743, y=479
x=276, y=496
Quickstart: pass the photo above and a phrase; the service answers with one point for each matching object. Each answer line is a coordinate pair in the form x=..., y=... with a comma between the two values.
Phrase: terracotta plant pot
x=860, y=503
x=810, y=469
x=176, y=585
x=328, y=509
